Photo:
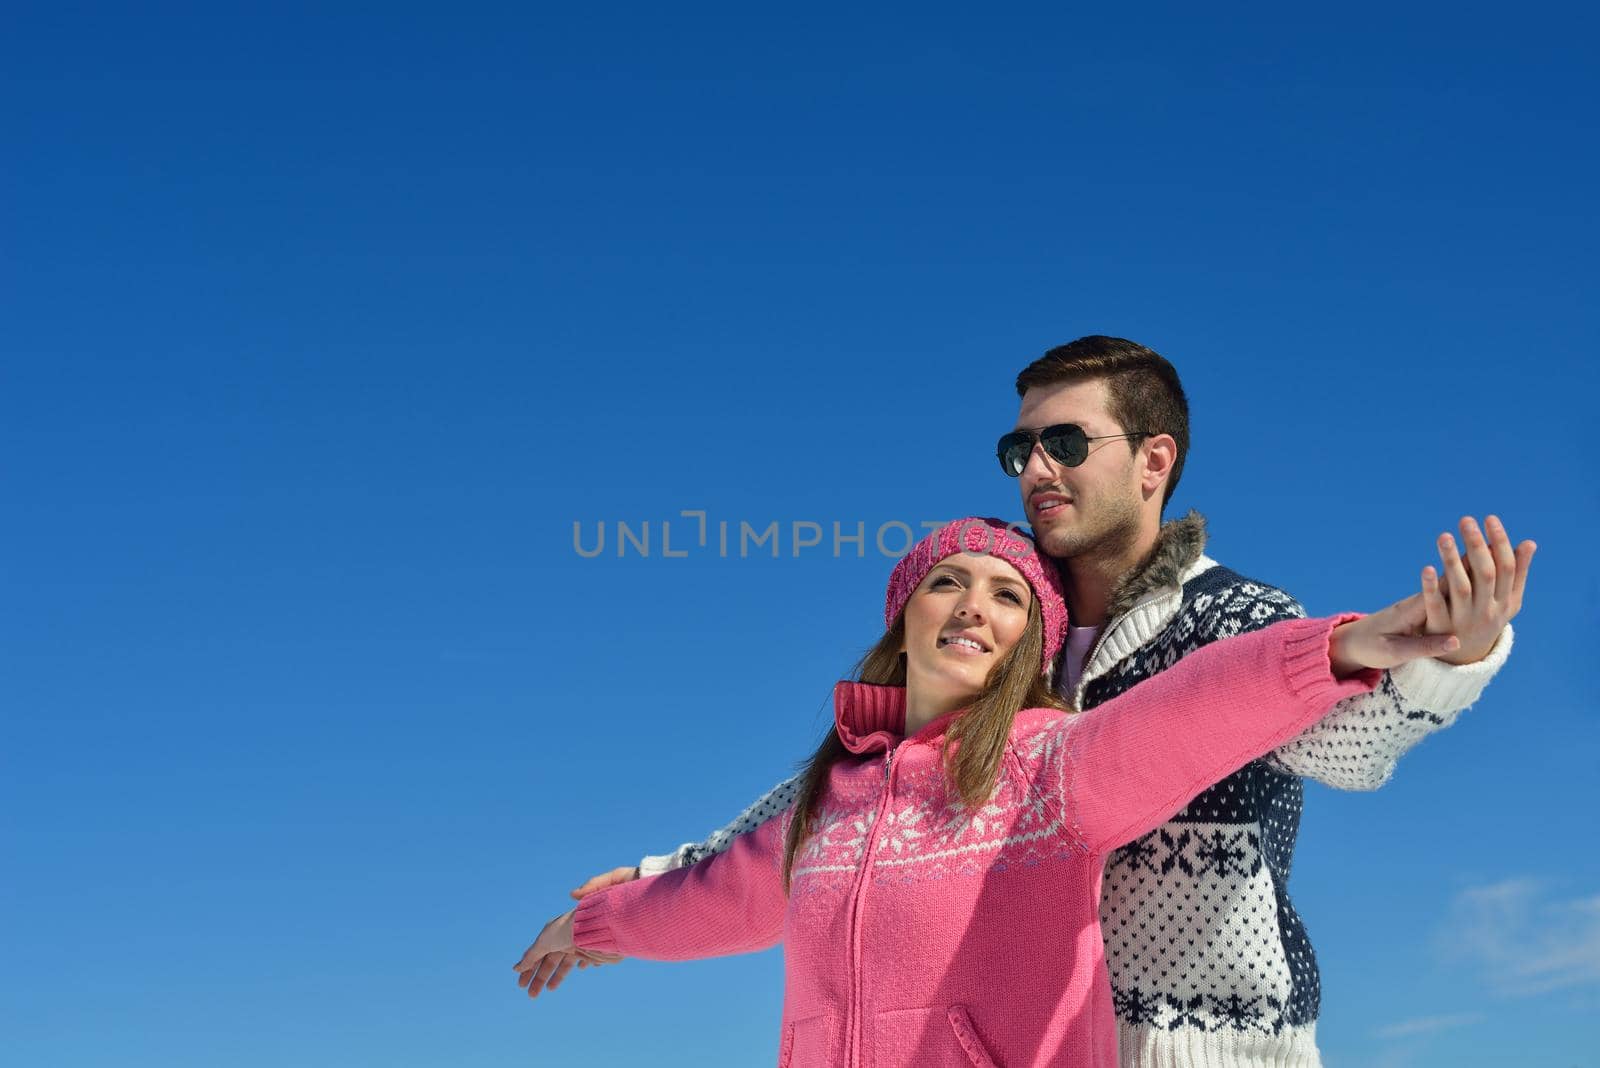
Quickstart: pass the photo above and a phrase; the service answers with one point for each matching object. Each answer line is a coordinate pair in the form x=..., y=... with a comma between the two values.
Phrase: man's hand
x=1478, y=597
x=600, y=882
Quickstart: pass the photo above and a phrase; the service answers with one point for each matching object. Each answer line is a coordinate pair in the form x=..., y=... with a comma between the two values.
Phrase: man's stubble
x=1107, y=526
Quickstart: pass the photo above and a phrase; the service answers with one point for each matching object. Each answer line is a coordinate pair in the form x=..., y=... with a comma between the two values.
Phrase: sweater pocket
x=942, y=1037
x=808, y=1042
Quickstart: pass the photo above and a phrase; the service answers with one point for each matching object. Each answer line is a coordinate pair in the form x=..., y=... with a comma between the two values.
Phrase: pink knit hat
x=984, y=535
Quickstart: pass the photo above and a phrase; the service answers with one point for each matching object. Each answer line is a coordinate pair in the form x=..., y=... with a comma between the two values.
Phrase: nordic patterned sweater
x=912, y=932
x=1209, y=962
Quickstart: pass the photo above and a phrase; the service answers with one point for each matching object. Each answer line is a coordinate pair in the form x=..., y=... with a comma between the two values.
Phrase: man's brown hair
x=1142, y=388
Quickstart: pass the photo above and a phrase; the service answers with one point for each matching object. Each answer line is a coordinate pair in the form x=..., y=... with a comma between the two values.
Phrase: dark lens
x=1013, y=451
x=1067, y=443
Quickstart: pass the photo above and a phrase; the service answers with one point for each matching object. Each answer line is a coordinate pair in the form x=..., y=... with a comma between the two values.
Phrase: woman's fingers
x=528, y=967
x=1405, y=647
x=1404, y=615
x=541, y=975
x=545, y=956
x=567, y=961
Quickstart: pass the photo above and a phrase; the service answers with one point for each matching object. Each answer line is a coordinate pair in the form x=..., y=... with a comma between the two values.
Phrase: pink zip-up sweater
x=920, y=933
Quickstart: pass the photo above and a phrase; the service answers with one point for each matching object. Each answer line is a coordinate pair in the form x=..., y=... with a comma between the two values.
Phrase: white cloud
x=1526, y=940
x=1401, y=1057
x=1427, y=1025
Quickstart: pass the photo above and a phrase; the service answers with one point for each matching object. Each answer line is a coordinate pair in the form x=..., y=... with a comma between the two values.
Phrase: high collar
x=872, y=719
x=1178, y=545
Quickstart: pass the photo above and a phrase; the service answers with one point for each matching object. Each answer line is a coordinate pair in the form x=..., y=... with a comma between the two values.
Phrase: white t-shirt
x=1080, y=641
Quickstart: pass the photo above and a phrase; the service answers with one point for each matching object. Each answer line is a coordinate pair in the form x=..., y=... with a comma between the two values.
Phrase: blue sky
x=324, y=326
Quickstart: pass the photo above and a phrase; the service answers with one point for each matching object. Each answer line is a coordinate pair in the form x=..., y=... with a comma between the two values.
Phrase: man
x=1209, y=962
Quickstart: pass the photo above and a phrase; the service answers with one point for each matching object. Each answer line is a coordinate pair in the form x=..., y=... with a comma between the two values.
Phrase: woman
x=954, y=796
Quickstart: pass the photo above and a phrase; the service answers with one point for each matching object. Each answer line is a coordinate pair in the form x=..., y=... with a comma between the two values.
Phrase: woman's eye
x=942, y=580
x=1012, y=595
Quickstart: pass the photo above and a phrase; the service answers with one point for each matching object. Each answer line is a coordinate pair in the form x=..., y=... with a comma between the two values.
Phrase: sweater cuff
x=1444, y=688
x=656, y=865
x=1308, y=666
x=591, y=923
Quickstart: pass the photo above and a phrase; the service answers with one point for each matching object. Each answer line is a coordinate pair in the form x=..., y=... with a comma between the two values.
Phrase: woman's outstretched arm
x=730, y=903
x=1128, y=765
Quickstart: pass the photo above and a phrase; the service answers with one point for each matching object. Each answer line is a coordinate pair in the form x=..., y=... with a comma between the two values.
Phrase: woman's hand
x=1387, y=639
x=551, y=956
x=553, y=953
x=614, y=877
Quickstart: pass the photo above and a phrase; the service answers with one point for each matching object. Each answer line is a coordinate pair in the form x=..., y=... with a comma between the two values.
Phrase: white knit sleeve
x=772, y=803
x=1358, y=744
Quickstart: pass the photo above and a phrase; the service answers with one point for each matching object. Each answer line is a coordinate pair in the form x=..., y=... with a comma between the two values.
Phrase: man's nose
x=1041, y=467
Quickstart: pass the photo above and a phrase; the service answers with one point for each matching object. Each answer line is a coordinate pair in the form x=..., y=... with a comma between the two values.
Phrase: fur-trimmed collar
x=1178, y=545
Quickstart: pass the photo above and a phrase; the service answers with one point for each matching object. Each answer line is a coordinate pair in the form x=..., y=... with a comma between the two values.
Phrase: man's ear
x=1160, y=452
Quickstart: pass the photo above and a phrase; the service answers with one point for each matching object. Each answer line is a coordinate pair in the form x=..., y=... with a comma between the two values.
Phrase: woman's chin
x=957, y=692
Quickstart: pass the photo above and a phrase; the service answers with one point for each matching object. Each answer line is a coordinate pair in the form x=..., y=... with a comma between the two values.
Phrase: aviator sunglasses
x=1065, y=443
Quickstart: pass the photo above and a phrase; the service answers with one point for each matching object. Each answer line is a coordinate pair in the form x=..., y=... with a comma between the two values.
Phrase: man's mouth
x=1048, y=504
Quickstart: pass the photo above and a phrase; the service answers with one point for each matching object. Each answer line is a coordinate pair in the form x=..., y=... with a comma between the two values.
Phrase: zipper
x=1086, y=678
x=852, y=1008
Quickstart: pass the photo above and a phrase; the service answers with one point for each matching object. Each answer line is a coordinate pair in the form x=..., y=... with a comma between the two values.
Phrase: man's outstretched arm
x=772, y=803
x=1358, y=744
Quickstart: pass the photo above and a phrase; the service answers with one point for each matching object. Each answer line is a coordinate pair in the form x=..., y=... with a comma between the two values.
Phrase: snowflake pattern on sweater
x=1200, y=930
x=1204, y=947
x=1217, y=873
x=1018, y=825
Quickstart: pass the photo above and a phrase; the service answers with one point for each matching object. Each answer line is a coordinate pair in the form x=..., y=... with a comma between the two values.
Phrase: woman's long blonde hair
x=975, y=743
